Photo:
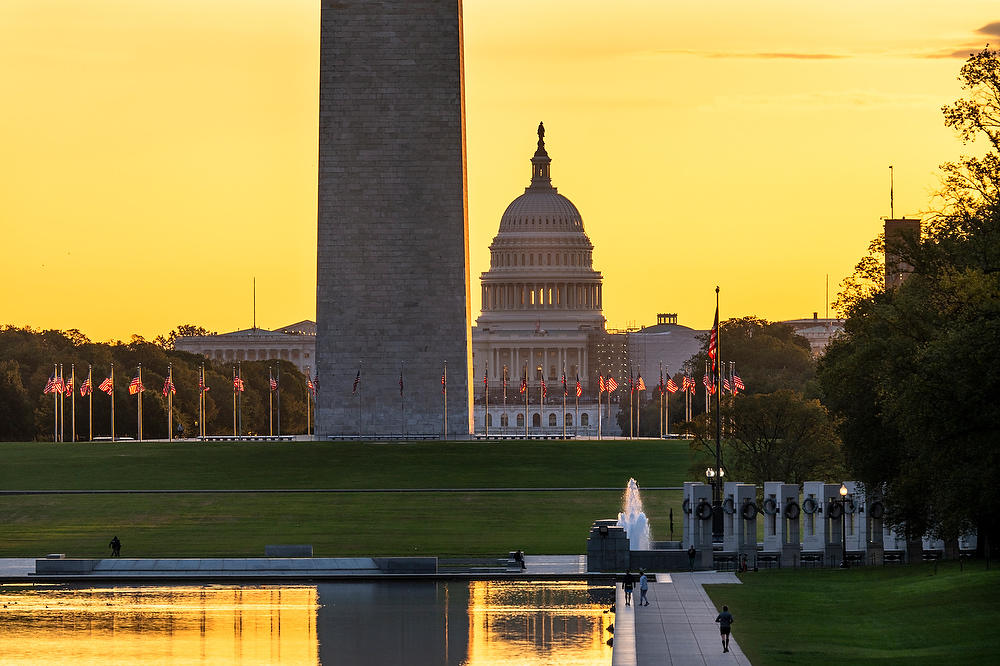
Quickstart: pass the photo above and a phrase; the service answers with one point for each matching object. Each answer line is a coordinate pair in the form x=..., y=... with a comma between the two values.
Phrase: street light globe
x=843, y=490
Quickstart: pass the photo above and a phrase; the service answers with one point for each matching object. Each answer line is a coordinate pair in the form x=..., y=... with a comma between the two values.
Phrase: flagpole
x=402, y=402
x=638, y=406
x=277, y=396
x=201, y=405
x=72, y=400
x=170, y=403
x=541, y=398
x=444, y=391
x=600, y=410
x=270, y=403
x=55, y=404
x=308, y=400
x=235, y=435
x=666, y=407
x=564, y=402
x=663, y=389
x=503, y=426
x=139, y=394
x=112, y=402
x=62, y=405
x=576, y=419
x=718, y=411
x=239, y=397
x=90, y=400
x=525, y=380
x=486, y=418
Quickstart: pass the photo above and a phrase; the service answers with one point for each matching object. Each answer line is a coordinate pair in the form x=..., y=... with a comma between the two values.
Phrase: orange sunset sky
x=157, y=156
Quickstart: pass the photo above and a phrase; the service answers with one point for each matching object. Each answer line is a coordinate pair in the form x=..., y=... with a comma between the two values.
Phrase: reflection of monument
x=541, y=309
x=392, y=282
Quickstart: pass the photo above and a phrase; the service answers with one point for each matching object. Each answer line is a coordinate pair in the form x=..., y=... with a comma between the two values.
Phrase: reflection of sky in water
x=158, y=625
x=474, y=624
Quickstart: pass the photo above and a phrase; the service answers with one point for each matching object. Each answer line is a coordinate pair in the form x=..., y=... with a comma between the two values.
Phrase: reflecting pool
x=462, y=623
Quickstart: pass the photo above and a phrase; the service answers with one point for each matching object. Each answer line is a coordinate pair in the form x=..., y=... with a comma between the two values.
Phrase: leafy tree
x=913, y=378
x=778, y=436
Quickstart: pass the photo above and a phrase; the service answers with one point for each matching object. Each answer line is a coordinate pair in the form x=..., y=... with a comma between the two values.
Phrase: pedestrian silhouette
x=116, y=547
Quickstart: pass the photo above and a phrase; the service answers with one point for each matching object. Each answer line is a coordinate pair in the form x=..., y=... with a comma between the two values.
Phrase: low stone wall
x=64, y=566
x=288, y=550
x=407, y=564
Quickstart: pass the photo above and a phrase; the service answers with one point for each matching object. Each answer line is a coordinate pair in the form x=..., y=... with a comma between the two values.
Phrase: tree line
x=26, y=362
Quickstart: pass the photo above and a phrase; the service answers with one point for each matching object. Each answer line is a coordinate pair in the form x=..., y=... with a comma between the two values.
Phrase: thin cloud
x=788, y=56
x=991, y=29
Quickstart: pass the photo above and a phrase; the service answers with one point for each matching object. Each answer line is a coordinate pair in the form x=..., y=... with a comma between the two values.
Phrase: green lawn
x=343, y=524
x=866, y=615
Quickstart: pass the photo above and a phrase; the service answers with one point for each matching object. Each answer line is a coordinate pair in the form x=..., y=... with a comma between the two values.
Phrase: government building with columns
x=541, y=316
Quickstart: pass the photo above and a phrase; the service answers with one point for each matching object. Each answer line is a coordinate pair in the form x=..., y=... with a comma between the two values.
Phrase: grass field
x=341, y=524
x=883, y=615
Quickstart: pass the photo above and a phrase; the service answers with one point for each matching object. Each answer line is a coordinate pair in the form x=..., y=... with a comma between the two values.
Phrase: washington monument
x=392, y=294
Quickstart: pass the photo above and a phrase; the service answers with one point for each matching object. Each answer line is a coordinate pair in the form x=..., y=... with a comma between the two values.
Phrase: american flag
x=662, y=390
x=400, y=383
x=579, y=387
x=709, y=384
x=50, y=386
x=135, y=386
x=58, y=386
x=545, y=390
x=725, y=385
x=611, y=384
x=713, y=339
x=168, y=386
x=68, y=388
x=444, y=381
x=357, y=380
x=273, y=384
x=202, y=386
x=601, y=385
x=486, y=377
x=312, y=386
x=106, y=386
x=238, y=385
x=738, y=384
x=505, y=382
x=524, y=383
x=86, y=388
x=672, y=385
x=565, y=388
x=640, y=385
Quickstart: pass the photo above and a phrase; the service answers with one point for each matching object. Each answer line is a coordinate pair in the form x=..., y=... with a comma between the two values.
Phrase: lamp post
x=715, y=479
x=843, y=526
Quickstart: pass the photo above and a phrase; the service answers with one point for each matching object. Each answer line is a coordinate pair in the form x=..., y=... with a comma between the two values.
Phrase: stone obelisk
x=392, y=289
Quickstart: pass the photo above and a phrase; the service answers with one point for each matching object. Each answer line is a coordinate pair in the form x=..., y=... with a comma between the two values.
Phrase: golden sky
x=156, y=156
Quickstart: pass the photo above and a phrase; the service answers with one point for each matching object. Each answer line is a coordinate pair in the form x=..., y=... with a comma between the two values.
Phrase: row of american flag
x=59, y=384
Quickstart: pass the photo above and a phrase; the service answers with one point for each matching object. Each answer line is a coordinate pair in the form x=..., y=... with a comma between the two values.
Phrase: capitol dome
x=541, y=261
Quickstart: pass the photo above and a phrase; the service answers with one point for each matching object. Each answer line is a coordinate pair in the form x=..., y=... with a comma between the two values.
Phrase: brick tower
x=392, y=288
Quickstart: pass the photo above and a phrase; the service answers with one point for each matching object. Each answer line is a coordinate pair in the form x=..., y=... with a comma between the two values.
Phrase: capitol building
x=541, y=316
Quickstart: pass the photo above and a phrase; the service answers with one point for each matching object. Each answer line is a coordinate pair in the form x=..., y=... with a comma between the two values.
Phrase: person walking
x=627, y=584
x=643, y=588
x=725, y=620
x=691, y=555
x=116, y=547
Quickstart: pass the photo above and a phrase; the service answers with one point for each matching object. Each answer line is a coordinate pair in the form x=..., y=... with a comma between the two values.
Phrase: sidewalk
x=678, y=627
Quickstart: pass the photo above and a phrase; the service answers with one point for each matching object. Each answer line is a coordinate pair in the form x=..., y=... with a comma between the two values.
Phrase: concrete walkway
x=677, y=627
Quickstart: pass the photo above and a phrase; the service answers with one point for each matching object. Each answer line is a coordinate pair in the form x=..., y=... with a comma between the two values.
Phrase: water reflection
x=479, y=623
x=476, y=624
x=158, y=625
